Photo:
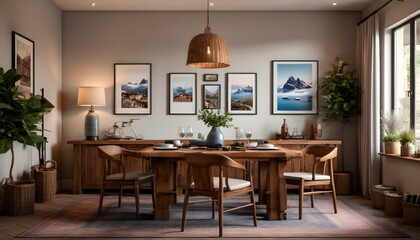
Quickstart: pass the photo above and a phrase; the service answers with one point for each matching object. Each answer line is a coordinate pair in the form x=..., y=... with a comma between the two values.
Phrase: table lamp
x=91, y=96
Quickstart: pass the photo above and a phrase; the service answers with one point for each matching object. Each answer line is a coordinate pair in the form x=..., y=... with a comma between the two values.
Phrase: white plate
x=165, y=148
x=262, y=148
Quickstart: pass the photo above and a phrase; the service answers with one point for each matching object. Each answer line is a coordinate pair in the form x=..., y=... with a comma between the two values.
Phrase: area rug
x=80, y=220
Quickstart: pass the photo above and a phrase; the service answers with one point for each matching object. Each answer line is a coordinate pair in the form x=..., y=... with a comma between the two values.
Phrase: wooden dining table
x=271, y=165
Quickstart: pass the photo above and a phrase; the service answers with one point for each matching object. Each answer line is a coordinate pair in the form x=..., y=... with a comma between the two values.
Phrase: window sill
x=396, y=156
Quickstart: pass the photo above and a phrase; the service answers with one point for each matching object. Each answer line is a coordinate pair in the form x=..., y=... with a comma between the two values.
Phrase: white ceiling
x=219, y=5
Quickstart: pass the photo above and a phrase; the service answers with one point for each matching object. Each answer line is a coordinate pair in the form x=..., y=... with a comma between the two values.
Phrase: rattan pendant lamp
x=208, y=50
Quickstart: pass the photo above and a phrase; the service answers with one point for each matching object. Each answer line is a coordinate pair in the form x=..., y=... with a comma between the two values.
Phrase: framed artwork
x=241, y=93
x=182, y=93
x=211, y=96
x=210, y=77
x=132, y=88
x=295, y=87
x=23, y=60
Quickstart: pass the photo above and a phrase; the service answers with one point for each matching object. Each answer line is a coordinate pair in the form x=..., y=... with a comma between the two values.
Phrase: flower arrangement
x=215, y=118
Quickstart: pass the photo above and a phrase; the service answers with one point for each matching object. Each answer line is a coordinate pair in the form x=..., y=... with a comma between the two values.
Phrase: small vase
x=215, y=138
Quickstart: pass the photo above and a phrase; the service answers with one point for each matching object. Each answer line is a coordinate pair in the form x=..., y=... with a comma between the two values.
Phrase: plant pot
x=392, y=147
x=215, y=138
x=407, y=150
x=19, y=198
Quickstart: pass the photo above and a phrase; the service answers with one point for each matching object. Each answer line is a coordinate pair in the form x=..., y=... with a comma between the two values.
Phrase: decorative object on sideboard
x=284, y=130
x=316, y=130
x=19, y=123
x=407, y=138
x=91, y=96
x=208, y=50
x=216, y=120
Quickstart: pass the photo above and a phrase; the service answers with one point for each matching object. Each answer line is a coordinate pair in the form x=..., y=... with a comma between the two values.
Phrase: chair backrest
x=324, y=156
x=111, y=154
x=200, y=169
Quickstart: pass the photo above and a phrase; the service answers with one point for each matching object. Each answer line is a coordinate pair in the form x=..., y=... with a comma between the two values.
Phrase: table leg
x=164, y=187
x=276, y=191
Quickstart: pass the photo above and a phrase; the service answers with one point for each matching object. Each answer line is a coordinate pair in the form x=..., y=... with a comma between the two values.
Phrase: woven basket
x=19, y=198
x=393, y=206
x=45, y=181
x=411, y=213
x=378, y=197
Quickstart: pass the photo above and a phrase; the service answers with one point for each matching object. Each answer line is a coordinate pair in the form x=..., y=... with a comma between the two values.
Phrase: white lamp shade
x=91, y=96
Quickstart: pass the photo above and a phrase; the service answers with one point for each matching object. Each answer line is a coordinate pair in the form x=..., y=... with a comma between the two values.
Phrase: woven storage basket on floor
x=393, y=206
x=378, y=197
x=19, y=198
x=45, y=182
x=411, y=213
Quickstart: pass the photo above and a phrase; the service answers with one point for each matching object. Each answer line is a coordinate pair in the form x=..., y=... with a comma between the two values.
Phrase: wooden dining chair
x=321, y=174
x=116, y=174
x=202, y=181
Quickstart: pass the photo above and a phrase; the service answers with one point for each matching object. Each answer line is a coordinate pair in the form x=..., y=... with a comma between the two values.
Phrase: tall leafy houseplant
x=19, y=117
x=215, y=120
x=341, y=95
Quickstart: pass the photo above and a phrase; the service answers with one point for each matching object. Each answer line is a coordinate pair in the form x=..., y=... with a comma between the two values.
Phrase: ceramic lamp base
x=92, y=126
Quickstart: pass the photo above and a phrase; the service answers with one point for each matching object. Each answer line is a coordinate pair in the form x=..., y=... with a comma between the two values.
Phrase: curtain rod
x=370, y=15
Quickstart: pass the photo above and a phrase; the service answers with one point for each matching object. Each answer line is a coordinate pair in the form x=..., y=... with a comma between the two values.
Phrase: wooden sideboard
x=87, y=168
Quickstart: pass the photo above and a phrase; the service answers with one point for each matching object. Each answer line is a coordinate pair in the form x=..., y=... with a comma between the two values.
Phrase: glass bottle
x=284, y=129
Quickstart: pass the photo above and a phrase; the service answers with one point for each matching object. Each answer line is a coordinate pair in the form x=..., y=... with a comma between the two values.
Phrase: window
x=406, y=73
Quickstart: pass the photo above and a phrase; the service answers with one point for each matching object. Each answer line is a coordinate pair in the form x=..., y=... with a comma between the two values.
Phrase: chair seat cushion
x=306, y=176
x=234, y=183
x=129, y=176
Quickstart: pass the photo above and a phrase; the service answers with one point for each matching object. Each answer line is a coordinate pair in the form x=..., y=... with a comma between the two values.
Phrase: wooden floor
x=12, y=226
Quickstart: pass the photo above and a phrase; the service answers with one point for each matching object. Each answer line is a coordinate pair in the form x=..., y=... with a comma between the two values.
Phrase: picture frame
x=23, y=60
x=182, y=93
x=210, y=77
x=241, y=92
x=211, y=96
x=133, y=88
x=294, y=86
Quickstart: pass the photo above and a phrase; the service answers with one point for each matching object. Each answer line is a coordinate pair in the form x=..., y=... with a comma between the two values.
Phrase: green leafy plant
x=19, y=116
x=341, y=93
x=391, y=138
x=407, y=137
x=391, y=124
x=214, y=118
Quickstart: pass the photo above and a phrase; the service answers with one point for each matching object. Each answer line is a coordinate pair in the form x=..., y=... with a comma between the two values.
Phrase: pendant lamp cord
x=208, y=17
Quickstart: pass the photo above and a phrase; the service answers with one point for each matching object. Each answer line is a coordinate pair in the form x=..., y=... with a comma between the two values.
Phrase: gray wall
x=39, y=20
x=94, y=41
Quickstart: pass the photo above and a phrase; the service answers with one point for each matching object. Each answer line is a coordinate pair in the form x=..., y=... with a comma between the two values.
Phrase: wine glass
x=189, y=132
x=181, y=132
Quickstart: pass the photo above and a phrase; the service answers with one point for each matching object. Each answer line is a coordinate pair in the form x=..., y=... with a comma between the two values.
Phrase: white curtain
x=368, y=61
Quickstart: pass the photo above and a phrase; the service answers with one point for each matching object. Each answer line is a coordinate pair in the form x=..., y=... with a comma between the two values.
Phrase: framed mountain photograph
x=182, y=93
x=133, y=88
x=211, y=96
x=241, y=93
x=295, y=87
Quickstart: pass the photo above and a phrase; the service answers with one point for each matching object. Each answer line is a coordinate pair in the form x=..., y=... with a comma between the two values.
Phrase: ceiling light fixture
x=93, y=4
x=208, y=50
x=334, y=4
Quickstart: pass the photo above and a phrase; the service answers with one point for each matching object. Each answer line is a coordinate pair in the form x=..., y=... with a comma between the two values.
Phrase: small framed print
x=182, y=93
x=295, y=85
x=241, y=93
x=23, y=60
x=211, y=96
x=133, y=88
x=210, y=77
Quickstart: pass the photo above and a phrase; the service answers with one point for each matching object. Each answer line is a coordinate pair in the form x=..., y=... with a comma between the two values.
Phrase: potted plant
x=390, y=126
x=19, y=118
x=407, y=138
x=215, y=120
x=341, y=95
